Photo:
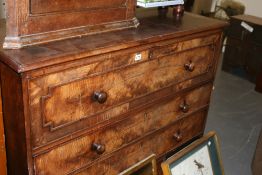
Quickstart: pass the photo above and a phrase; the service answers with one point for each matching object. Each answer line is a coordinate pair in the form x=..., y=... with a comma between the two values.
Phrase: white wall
x=253, y=7
x=2, y=9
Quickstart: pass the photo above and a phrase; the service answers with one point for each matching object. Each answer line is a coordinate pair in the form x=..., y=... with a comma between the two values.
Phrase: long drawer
x=81, y=151
x=73, y=102
x=73, y=158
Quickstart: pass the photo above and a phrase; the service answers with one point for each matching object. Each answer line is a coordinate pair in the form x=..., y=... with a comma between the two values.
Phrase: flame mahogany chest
x=99, y=104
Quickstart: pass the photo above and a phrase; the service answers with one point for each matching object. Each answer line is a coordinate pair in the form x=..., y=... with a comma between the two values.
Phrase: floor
x=236, y=115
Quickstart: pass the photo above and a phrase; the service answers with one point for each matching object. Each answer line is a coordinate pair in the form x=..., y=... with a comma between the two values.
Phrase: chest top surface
x=151, y=29
x=249, y=18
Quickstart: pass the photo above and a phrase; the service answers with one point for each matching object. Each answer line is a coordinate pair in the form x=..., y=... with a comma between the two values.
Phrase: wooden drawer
x=59, y=101
x=129, y=130
x=76, y=158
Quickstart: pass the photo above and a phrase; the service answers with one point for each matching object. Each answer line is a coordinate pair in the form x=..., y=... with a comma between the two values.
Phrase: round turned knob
x=184, y=107
x=190, y=67
x=178, y=136
x=100, y=96
x=98, y=148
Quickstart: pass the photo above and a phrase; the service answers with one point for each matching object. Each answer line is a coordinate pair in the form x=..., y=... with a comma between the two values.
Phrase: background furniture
x=101, y=103
x=258, y=87
x=244, y=49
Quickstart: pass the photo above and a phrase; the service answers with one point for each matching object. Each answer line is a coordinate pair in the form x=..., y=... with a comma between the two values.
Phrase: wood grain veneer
x=95, y=105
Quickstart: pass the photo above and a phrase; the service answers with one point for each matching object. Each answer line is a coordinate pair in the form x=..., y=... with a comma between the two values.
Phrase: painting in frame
x=202, y=157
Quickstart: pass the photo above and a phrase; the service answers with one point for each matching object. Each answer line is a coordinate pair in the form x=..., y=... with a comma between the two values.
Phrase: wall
x=2, y=9
x=202, y=5
x=253, y=7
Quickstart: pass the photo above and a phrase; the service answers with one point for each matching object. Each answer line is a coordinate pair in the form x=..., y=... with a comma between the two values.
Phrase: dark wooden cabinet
x=243, y=54
x=99, y=104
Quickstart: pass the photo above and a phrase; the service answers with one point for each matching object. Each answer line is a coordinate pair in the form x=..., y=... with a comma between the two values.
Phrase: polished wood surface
x=127, y=131
x=162, y=139
x=151, y=29
x=32, y=22
x=128, y=84
x=95, y=105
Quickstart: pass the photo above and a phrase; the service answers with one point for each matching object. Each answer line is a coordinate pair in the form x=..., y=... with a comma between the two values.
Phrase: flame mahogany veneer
x=99, y=104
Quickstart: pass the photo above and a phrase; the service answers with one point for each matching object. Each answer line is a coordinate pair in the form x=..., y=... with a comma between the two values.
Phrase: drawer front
x=129, y=130
x=73, y=102
x=82, y=99
x=62, y=160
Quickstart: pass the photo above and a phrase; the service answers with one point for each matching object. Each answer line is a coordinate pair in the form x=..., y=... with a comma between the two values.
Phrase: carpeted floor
x=236, y=115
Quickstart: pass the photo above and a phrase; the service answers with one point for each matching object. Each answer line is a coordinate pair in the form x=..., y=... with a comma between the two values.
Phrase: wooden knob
x=100, y=96
x=190, y=67
x=178, y=136
x=184, y=107
x=98, y=148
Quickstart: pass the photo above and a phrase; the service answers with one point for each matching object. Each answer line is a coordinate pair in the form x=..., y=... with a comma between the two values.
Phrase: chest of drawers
x=102, y=103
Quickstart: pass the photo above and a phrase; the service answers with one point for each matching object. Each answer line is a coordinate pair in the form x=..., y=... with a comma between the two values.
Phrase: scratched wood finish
x=153, y=109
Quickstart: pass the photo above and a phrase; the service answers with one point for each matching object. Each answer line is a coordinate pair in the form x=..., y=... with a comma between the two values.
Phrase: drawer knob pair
x=184, y=107
x=178, y=136
x=100, y=96
x=189, y=66
x=98, y=148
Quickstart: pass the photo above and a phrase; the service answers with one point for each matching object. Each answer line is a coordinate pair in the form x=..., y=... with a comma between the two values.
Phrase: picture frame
x=147, y=166
x=202, y=157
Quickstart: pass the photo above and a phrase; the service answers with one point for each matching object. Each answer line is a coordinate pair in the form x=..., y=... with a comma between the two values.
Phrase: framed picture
x=202, y=157
x=144, y=167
